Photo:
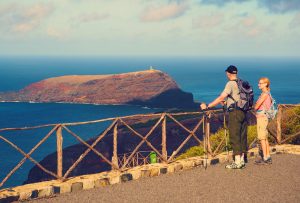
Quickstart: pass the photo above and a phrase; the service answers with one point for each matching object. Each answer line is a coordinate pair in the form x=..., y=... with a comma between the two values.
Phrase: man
x=237, y=123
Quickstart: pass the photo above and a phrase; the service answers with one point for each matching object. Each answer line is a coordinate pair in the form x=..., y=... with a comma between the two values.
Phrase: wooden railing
x=140, y=158
x=122, y=162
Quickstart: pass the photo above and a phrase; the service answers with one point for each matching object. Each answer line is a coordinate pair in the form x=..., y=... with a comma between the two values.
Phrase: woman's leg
x=264, y=147
x=262, y=134
x=267, y=148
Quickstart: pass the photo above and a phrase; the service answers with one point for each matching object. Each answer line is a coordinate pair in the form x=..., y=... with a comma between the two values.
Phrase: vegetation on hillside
x=290, y=125
x=215, y=140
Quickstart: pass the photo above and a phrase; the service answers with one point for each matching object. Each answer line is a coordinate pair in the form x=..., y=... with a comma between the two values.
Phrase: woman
x=263, y=103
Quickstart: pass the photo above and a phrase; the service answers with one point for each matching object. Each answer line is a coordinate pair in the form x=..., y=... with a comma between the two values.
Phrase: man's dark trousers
x=237, y=126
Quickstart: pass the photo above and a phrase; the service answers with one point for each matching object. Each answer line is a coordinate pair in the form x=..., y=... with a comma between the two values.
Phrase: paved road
x=279, y=182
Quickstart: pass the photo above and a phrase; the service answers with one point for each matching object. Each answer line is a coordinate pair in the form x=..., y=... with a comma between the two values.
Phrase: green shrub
x=192, y=152
x=290, y=124
x=215, y=140
x=217, y=137
x=251, y=133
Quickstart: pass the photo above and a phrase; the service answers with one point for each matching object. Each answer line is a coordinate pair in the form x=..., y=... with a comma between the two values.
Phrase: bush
x=192, y=152
x=290, y=124
x=215, y=140
x=251, y=134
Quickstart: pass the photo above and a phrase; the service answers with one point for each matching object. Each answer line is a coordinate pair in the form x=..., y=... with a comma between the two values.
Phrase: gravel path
x=279, y=182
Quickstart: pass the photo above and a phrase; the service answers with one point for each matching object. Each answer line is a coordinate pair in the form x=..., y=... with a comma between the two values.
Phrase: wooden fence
x=136, y=157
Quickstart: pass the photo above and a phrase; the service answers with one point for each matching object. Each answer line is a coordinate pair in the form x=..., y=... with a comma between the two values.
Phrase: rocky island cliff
x=152, y=88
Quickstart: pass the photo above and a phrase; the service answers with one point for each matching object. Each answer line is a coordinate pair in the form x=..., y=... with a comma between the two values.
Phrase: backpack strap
x=230, y=96
x=269, y=94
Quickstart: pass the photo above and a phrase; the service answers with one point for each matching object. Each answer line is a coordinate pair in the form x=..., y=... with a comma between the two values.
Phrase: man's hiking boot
x=243, y=163
x=233, y=165
x=245, y=158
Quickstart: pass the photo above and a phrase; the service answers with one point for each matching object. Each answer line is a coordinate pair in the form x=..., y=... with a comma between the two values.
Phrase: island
x=152, y=88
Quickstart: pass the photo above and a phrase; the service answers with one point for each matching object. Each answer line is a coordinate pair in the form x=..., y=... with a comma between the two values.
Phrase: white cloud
x=179, y=26
x=295, y=21
x=164, y=12
x=89, y=17
x=208, y=21
x=247, y=27
x=23, y=19
x=249, y=21
x=280, y=6
x=57, y=33
x=221, y=3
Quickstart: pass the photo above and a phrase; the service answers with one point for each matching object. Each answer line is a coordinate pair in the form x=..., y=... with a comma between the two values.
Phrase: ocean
x=204, y=77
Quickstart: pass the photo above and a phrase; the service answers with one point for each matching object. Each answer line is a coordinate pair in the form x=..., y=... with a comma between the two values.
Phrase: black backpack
x=246, y=95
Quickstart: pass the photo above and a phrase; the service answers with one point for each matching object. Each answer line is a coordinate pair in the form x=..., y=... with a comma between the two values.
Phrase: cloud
x=280, y=6
x=221, y=3
x=257, y=31
x=249, y=27
x=164, y=12
x=56, y=33
x=274, y=6
x=254, y=32
x=244, y=14
x=23, y=27
x=295, y=21
x=249, y=21
x=89, y=17
x=86, y=18
x=6, y=9
x=208, y=21
x=21, y=19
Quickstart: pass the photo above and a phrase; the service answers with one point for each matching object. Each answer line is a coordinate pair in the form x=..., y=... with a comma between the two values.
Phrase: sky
x=150, y=27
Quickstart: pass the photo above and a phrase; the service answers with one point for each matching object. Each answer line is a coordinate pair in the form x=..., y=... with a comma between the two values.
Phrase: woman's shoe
x=260, y=162
x=269, y=160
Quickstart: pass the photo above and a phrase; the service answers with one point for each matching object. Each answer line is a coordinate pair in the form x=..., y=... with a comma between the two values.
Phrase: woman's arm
x=260, y=101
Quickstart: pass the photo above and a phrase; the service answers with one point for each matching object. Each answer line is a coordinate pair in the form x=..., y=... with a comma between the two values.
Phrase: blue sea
x=204, y=77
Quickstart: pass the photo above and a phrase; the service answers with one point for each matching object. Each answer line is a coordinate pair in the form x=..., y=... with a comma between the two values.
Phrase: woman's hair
x=266, y=80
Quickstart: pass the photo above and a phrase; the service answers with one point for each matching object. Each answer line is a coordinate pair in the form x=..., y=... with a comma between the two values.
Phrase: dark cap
x=232, y=69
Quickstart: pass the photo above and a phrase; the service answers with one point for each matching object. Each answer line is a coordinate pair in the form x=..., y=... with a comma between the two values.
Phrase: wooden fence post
x=204, y=140
x=115, y=148
x=164, y=140
x=278, y=121
x=59, y=144
x=207, y=133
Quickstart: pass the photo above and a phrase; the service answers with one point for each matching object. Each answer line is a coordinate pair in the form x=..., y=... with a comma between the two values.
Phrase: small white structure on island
x=151, y=68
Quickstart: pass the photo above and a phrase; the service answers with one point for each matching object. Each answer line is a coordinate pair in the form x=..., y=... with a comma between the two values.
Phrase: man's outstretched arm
x=217, y=101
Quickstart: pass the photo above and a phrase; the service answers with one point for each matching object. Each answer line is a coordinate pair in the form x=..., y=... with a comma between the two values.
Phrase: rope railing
x=200, y=133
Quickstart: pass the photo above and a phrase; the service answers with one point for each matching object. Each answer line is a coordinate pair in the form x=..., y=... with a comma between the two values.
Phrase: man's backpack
x=272, y=111
x=246, y=95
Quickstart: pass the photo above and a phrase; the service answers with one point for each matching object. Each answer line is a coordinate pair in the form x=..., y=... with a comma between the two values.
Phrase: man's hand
x=223, y=103
x=203, y=106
